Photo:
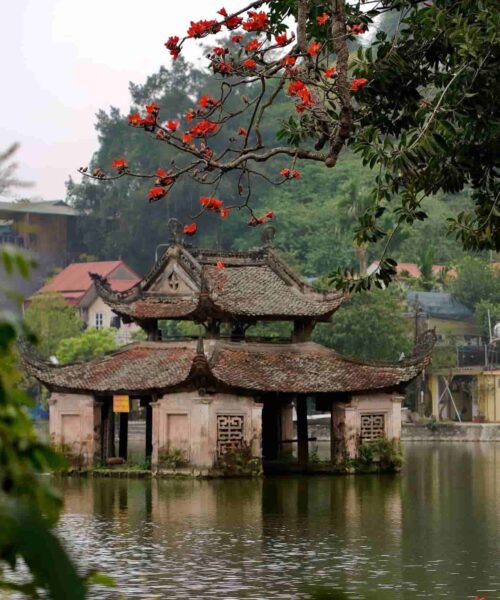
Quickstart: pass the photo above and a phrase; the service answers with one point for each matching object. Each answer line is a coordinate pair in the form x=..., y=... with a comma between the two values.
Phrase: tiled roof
x=75, y=277
x=252, y=284
x=139, y=367
x=304, y=368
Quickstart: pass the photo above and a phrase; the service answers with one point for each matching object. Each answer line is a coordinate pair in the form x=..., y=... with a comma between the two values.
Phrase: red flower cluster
x=289, y=61
x=203, y=129
x=220, y=51
x=152, y=109
x=156, y=193
x=198, y=29
x=358, y=29
x=172, y=124
x=249, y=63
x=253, y=45
x=172, y=44
x=242, y=131
x=322, y=19
x=186, y=138
x=300, y=90
x=356, y=84
x=207, y=101
x=257, y=21
x=219, y=265
x=163, y=177
x=290, y=174
x=254, y=221
x=211, y=203
x=236, y=39
x=231, y=22
x=330, y=72
x=120, y=164
x=281, y=39
x=224, y=213
x=190, y=229
x=314, y=48
x=223, y=67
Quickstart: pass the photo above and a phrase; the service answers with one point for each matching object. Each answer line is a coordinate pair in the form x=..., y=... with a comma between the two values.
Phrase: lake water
x=431, y=532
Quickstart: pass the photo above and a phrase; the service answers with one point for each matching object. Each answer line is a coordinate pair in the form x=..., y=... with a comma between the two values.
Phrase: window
x=372, y=427
x=229, y=433
x=99, y=320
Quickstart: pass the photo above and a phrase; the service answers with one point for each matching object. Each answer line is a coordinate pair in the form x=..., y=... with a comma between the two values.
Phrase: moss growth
x=239, y=462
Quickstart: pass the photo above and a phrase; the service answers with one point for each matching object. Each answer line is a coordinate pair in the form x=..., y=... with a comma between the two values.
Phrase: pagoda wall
x=365, y=418
x=74, y=426
x=191, y=432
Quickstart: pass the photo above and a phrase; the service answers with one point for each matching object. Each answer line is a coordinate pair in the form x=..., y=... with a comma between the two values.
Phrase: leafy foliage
x=369, y=326
x=89, y=344
x=476, y=281
x=29, y=507
x=52, y=319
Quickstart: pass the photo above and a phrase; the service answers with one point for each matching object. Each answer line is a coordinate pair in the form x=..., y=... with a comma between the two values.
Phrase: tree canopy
x=417, y=104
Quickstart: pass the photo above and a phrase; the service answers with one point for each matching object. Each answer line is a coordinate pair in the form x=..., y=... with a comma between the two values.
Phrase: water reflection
x=431, y=532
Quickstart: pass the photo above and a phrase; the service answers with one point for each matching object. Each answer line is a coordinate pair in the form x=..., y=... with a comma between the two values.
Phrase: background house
x=78, y=289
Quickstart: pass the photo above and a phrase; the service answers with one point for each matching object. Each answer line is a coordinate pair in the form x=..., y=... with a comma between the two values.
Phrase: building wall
x=74, y=425
x=46, y=236
x=377, y=415
x=198, y=428
x=99, y=307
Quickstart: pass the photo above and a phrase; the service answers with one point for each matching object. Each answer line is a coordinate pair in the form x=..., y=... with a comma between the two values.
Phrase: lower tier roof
x=300, y=368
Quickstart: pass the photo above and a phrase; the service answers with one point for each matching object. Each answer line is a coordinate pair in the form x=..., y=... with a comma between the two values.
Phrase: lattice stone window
x=229, y=433
x=372, y=427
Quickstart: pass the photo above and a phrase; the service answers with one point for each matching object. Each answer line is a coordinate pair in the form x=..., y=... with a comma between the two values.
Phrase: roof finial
x=175, y=228
x=268, y=234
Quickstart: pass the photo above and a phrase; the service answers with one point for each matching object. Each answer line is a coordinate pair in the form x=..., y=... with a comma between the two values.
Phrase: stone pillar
x=286, y=428
x=345, y=430
x=74, y=425
x=434, y=386
x=393, y=427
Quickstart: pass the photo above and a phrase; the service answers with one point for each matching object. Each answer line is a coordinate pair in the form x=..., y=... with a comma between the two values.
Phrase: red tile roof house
x=76, y=286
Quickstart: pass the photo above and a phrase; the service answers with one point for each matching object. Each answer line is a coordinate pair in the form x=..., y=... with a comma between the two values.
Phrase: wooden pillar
x=123, y=442
x=108, y=431
x=302, y=434
x=149, y=432
x=333, y=445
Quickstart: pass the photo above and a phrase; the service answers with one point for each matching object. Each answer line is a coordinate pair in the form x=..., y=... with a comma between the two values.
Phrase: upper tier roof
x=305, y=368
x=185, y=283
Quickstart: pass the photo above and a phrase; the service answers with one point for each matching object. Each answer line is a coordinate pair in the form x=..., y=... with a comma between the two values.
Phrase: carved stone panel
x=230, y=433
x=372, y=427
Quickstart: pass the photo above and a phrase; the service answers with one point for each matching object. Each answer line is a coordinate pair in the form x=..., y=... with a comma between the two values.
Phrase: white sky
x=63, y=60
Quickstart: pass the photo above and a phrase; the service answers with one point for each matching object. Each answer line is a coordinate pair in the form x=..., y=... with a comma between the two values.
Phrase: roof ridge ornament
x=175, y=229
x=267, y=237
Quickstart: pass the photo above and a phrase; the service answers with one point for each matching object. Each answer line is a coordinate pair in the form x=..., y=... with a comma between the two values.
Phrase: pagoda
x=223, y=391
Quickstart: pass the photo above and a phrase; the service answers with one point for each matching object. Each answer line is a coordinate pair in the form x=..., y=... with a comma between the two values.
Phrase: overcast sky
x=63, y=60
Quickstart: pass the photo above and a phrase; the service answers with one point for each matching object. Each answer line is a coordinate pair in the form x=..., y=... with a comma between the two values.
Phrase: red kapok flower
x=233, y=22
x=295, y=86
x=189, y=115
x=172, y=45
x=249, y=63
x=157, y=192
x=314, y=48
x=211, y=203
x=289, y=61
x=322, y=19
x=222, y=12
x=254, y=221
x=186, y=138
x=120, y=164
x=257, y=21
x=356, y=84
x=285, y=172
x=281, y=39
x=223, y=67
x=236, y=39
x=295, y=174
x=219, y=265
x=152, y=109
x=269, y=214
x=160, y=173
x=329, y=72
x=173, y=124
x=253, y=45
x=202, y=28
x=135, y=120
x=220, y=51
x=204, y=128
x=190, y=229
x=205, y=101
x=289, y=173
x=358, y=29
x=224, y=213
x=242, y=131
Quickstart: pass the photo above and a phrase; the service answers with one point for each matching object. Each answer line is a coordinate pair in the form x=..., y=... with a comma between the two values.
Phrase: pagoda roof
x=185, y=283
x=301, y=368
